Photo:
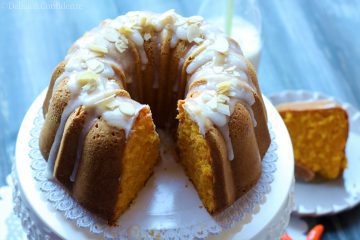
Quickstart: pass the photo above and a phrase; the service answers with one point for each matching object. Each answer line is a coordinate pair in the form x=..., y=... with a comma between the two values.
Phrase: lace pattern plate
x=168, y=207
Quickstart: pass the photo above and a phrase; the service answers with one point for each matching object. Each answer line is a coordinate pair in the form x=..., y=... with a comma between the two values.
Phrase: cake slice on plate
x=318, y=131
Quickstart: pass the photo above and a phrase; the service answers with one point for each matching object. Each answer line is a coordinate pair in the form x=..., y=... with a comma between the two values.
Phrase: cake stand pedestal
x=41, y=220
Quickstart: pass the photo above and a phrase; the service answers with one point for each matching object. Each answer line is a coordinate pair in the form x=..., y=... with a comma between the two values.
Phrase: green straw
x=229, y=16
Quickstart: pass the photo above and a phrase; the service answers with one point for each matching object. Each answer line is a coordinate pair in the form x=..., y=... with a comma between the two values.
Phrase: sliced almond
x=231, y=69
x=127, y=108
x=143, y=21
x=121, y=44
x=193, y=32
x=220, y=44
x=223, y=108
x=88, y=87
x=104, y=102
x=223, y=87
x=147, y=36
x=180, y=21
x=195, y=19
x=112, y=105
x=213, y=104
x=125, y=30
x=86, y=77
x=221, y=98
x=111, y=34
x=98, y=46
x=167, y=17
x=198, y=40
x=84, y=54
x=95, y=65
x=98, y=98
x=207, y=97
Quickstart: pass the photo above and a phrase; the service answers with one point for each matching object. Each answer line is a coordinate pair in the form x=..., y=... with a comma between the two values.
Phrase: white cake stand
x=41, y=219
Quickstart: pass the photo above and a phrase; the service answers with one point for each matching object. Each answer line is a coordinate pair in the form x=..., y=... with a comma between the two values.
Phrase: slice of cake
x=318, y=131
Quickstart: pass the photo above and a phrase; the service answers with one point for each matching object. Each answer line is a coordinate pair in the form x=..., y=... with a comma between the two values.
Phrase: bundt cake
x=99, y=138
x=319, y=132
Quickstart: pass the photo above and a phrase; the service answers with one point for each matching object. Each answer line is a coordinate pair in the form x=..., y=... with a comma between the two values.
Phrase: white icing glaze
x=206, y=112
x=89, y=122
x=70, y=108
x=94, y=84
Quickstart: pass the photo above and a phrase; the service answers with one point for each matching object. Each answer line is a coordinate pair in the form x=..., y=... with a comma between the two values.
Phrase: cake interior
x=196, y=159
x=318, y=143
x=140, y=156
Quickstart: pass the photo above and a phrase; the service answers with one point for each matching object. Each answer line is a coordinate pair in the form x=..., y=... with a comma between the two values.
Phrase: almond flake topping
x=111, y=34
x=231, y=69
x=100, y=99
x=167, y=17
x=86, y=77
x=221, y=98
x=198, y=40
x=143, y=21
x=112, y=104
x=180, y=21
x=105, y=101
x=127, y=108
x=224, y=87
x=147, y=36
x=125, y=30
x=95, y=65
x=99, y=45
x=213, y=103
x=87, y=81
x=221, y=45
x=195, y=19
x=193, y=32
x=223, y=108
x=121, y=44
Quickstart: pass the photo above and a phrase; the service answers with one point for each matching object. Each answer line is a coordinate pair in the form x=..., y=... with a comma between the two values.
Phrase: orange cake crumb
x=318, y=132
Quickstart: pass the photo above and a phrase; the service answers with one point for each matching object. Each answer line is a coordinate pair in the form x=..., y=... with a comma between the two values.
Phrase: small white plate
x=328, y=197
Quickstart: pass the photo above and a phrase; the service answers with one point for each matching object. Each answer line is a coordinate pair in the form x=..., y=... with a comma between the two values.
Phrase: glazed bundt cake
x=100, y=139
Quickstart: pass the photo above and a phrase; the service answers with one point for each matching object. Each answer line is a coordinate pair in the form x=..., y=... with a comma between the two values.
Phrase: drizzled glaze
x=92, y=82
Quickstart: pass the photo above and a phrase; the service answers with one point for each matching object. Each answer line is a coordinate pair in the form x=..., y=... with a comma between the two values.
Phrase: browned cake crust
x=163, y=79
x=174, y=75
x=246, y=166
x=96, y=184
x=261, y=130
x=68, y=149
x=59, y=100
x=56, y=73
x=224, y=192
x=136, y=74
x=234, y=178
x=149, y=72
